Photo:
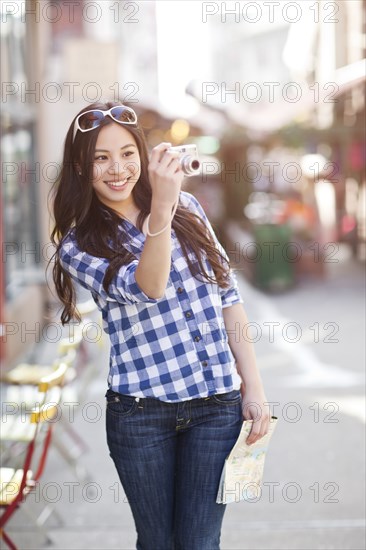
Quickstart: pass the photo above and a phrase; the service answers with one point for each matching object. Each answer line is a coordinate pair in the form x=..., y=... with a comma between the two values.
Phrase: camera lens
x=190, y=165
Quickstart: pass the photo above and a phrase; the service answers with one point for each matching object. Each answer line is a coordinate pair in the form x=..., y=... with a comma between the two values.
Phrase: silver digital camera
x=188, y=158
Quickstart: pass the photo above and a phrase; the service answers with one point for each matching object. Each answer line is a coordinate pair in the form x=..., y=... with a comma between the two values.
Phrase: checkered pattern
x=174, y=348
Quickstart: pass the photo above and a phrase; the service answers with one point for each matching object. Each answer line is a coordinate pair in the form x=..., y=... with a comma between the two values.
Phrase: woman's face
x=116, y=167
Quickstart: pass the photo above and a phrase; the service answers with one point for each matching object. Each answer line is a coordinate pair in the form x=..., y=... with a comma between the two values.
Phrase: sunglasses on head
x=92, y=119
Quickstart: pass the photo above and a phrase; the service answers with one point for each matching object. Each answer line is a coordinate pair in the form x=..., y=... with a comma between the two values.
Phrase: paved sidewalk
x=313, y=492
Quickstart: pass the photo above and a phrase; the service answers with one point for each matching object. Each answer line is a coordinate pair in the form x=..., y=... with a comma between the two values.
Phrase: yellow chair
x=27, y=384
x=16, y=483
x=30, y=374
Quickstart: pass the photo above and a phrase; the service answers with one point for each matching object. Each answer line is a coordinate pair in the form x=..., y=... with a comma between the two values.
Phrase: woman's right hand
x=166, y=175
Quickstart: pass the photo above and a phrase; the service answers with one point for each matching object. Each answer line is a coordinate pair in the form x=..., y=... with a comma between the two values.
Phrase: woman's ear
x=78, y=169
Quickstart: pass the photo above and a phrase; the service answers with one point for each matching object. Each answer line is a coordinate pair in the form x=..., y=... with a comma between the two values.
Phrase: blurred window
x=20, y=252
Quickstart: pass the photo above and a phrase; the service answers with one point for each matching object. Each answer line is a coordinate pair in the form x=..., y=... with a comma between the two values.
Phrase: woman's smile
x=118, y=185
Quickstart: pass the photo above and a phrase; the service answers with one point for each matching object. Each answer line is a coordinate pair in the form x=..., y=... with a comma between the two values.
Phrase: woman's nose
x=123, y=168
x=117, y=168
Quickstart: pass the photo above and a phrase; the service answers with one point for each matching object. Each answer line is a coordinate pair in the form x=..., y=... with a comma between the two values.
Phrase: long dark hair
x=76, y=205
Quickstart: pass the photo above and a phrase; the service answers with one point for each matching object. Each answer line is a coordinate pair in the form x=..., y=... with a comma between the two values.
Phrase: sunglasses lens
x=90, y=120
x=122, y=114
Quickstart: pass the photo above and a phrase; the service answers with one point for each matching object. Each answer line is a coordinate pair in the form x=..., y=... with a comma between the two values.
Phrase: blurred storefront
x=22, y=294
x=346, y=137
x=335, y=72
x=303, y=162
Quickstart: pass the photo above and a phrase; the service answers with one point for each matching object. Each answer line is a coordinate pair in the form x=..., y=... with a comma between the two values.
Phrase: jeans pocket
x=120, y=405
x=230, y=398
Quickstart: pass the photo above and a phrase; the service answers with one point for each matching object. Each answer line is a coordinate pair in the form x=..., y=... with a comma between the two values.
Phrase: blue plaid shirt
x=174, y=348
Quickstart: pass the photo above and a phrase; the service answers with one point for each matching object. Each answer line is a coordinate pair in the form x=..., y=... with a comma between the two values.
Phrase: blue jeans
x=169, y=458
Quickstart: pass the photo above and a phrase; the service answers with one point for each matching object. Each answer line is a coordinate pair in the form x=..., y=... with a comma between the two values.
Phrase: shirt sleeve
x=230, y=295
x=89, y=271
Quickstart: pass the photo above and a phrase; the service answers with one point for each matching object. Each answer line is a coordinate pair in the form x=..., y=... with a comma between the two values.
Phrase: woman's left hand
x=256, y=408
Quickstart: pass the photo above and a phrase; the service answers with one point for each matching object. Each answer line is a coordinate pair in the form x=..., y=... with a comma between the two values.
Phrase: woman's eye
x=103, y=157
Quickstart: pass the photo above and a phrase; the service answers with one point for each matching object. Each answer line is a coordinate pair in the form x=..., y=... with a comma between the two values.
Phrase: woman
x=181, y=374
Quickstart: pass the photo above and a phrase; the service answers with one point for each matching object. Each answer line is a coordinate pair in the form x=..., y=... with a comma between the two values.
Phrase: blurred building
x=251, y=82
x=249, y=89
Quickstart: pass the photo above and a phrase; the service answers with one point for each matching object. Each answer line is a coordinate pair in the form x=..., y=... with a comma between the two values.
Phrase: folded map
x=242, y=474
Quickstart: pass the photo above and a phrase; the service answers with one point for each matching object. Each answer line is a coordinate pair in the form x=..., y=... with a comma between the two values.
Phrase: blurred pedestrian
x=181, y=377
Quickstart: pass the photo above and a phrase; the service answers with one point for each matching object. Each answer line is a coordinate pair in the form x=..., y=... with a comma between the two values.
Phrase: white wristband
x=164, y=228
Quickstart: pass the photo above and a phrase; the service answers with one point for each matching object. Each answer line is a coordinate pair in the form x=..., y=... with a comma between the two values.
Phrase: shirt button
x=197, y=338
x=204, y=363
x=188, y=314
x=180, y=290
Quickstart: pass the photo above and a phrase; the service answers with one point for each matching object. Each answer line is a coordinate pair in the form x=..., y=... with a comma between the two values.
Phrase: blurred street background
x=272, y=94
